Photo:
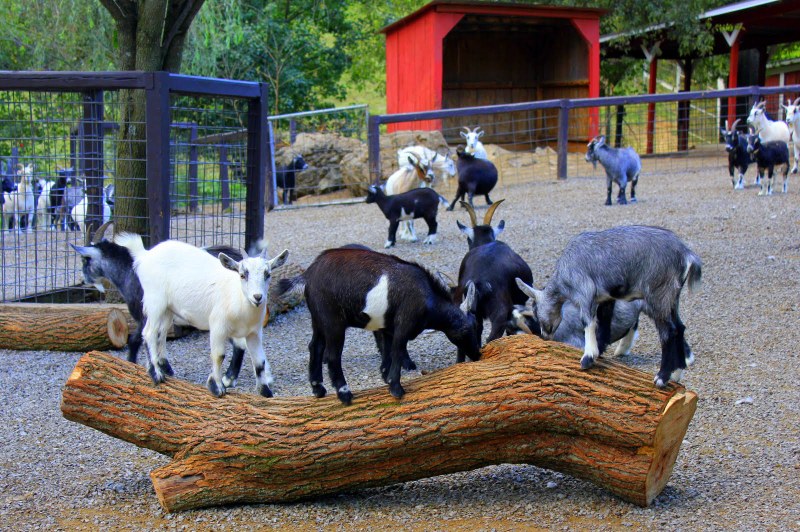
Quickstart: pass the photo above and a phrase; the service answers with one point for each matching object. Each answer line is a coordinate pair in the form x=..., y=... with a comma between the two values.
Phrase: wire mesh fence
x=79, y=153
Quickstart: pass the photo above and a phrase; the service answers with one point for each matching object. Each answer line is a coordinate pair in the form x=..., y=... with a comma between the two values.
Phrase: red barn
x=453, y=54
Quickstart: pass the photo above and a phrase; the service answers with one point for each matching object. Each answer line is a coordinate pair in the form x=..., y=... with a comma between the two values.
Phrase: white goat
x=414, y=173
x=442, y=165
x=43, y=204
x=79, y=211
x=767, y=130
x=793, y=121
x=22, y=201
x=181, y=281
x=474, y=145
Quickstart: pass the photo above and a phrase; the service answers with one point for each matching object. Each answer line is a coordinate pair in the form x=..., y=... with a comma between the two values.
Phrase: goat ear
x=601, y=140
x=529, y=290
x=87, y=251
x=466, y=230
x=468, y=305
x=480, y=134
x=500, y=228
x=228, y=263
x=279, y=260
x=463, y=134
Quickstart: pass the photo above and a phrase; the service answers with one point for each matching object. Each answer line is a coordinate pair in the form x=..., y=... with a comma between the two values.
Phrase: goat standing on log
x=793, y=121
x=767, y=156
x=623, y=263
x=738, y=156
x=180, y=280
x=394, y=298
x=621, y=165
x=475, y=176
x=286, y=178
x=416, y=203
x=474, y=145
x=491, y=266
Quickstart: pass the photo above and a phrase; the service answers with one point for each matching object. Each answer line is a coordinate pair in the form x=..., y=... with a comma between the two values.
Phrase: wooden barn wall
x=489, y=66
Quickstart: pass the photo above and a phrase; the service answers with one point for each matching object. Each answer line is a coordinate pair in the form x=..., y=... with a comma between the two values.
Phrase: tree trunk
x=61, y=327
x=526, y=401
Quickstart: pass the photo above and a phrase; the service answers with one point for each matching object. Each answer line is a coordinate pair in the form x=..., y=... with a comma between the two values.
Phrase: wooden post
x=258, y=161
x=158, y=176
x=525, y=401
x=93, y=158
x=563, y=139
x=374, y=148
x=652, y=86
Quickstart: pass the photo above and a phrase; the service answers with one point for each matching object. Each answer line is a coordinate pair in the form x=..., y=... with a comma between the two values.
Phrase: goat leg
x=316, y=349
x=232, y=374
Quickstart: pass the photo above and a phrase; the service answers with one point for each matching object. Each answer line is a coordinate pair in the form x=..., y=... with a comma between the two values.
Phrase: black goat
x=285, y=178
x=380, y=293
x=416, y=203
x=767, y=156
x=475, y=176
x=491, y=266
x=738, y=157
x=65, y=193
x=105, y=259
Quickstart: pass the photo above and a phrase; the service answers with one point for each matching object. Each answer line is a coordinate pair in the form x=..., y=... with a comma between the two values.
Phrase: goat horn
x=468, y=129
x=733, y=126
x=473, y=219
x=487, y=219
x=761, y=104
x=727, y=128
x=796, y=101
x=100, y=232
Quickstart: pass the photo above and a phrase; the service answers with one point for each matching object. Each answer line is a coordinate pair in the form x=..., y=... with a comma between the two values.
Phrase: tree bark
x=525, y=401
x=60, y=327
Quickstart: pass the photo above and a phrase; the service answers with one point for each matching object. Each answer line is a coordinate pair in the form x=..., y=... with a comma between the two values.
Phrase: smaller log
x=62, y=327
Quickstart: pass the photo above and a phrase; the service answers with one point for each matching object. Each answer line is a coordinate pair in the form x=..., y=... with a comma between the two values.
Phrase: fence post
x=374, y=148
x=563, y=138
x=192, y=168
x=92, y=149
x=225, y=190
x=258, y=160
x=157, y=129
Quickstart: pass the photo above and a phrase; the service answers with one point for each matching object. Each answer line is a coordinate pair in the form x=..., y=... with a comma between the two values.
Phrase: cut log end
x=117, y=328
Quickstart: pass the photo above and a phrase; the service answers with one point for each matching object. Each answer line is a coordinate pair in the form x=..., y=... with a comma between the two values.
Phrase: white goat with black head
x=767, y=130
x=474, y=145
x=623, y=263
x=226, y=297
x=793, y=121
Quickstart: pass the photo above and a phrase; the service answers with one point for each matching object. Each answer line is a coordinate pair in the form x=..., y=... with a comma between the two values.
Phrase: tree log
x=525, y=401
x=62, y=327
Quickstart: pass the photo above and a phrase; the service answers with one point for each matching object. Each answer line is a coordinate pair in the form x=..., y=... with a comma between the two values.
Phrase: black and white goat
x=767, y=156
x=738, y=156
x=475, y=176
x=491, y=266
x=394, y=298
x=416, y=203
x=286, y=178
x=623, y=263
x=622, y=165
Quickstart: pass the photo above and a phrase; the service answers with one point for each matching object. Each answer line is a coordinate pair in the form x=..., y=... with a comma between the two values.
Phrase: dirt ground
x=738, y=467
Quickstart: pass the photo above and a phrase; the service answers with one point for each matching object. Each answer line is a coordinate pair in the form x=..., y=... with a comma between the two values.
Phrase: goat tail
x=133, y=242
x=294, y=286
x=694, y=272
x=443, y=201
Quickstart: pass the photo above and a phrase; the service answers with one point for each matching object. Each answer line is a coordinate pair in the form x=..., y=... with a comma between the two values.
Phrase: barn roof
x=763, y=23
x=496, y=8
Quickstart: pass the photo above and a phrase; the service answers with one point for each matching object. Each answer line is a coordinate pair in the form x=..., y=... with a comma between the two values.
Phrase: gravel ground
x=738, y=467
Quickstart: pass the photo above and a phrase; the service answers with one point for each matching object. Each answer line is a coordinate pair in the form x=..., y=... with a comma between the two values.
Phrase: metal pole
x=374, y=143
x=563, y=138
x=92, y=148
x=258, y=160
x=157, y=129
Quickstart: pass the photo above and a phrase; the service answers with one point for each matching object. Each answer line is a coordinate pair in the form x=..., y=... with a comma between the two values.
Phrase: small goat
x=623, y=263
x=767, y=130
x=416, y=173
x=474, y=145
x=491, y=266
x=7, y=186
x=79, y=211
x=180, y=280
x=441, y=164
x=286, y=178
x=738, y=157
x=793, y=121
x=767, y=155
x=621, y=165
x=394, y=298
x=416, y=203
x=475, y=176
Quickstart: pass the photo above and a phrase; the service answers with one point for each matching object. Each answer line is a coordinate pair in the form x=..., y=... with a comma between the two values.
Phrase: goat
x=416, y=173
x=491, y=266
x=442, y=165
x=474, y=146
x=623, y=263
x=79, y=211
x=7, y=186
x=738, y=157
x=767, y=155
x=394, y=298
x=621, y=165
x=475, y=176
x=792, y=111
x=767, y=130
x=23, y=205
x=106, y=259
x=42, y=214
x=417, y=203
x=285, y=178
x=180, y=280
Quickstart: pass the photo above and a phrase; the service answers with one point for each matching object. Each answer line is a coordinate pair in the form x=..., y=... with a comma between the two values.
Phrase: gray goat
x=621, y=165
x=623, y=263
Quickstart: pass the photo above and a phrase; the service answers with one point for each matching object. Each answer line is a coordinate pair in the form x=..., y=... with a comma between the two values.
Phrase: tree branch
x=121, y=10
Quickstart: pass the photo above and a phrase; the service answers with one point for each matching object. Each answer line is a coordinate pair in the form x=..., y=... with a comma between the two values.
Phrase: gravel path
x=738, y=467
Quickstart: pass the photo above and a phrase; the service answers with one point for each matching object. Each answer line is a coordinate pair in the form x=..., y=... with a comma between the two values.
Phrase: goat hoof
x=264, y=391
x=450, y=208
x=409, y=365
x=587, y=361
x=228, y=381
x=660, y=381
x=165, y=368
x=318, y=390
x=345, y=395
x=156, y=375
x=217, y=390
x=608, y=202
x=633, y=200
x=396, y=389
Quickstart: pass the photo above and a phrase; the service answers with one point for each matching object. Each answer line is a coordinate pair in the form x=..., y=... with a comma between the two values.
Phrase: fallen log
x=525, y=401
x=61, y=327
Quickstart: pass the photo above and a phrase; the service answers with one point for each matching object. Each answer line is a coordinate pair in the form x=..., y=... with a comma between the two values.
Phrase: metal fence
x=198, y=173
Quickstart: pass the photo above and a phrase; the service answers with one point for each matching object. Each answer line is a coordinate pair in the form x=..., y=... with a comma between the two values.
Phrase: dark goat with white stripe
x=491, y=266
x=738, y=157
x=416, y=203
x=623, y=263
x=767, y=156
x=394, y=298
